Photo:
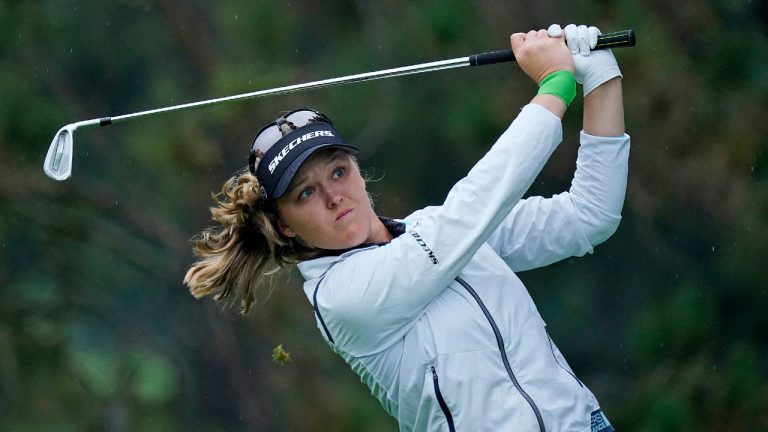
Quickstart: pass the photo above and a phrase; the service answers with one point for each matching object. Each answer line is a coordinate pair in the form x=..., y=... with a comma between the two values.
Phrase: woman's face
x=327, y=205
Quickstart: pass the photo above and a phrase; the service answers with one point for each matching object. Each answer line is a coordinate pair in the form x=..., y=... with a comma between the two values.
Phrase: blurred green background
x=666, y=322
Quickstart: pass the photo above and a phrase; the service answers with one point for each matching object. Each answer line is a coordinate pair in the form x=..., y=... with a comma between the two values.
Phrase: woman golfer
x=427, y=309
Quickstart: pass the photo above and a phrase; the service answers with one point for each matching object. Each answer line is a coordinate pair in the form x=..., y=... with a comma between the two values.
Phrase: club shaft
x=368, y=76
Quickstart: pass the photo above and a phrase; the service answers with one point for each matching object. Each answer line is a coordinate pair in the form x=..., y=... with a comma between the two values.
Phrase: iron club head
x=58, y=161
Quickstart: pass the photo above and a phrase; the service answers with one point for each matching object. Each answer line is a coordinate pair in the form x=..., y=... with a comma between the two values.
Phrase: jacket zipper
x=441, y=401
x=552, y=348
x=503, y=352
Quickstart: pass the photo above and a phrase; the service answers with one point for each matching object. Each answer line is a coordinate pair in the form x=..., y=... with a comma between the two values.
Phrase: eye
x=339, y=172
x=305, y=193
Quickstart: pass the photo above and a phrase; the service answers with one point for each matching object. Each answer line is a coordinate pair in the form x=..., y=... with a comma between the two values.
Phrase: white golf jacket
x=436, y=322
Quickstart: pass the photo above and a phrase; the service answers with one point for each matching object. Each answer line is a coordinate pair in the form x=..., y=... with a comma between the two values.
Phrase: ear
x=285, y=229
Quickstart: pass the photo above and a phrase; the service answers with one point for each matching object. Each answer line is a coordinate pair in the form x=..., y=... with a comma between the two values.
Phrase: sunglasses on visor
x=271, y=133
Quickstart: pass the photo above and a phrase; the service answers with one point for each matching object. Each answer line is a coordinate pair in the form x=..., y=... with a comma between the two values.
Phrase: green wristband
x=561, y=84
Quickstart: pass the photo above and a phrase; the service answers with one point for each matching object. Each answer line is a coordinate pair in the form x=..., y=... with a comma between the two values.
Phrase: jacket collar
x=316, y=267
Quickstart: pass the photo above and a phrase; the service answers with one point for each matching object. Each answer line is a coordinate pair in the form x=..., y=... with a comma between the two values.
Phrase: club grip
x=619, y=39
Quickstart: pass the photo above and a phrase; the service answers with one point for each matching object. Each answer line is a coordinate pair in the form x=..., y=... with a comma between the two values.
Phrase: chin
x=356, y=239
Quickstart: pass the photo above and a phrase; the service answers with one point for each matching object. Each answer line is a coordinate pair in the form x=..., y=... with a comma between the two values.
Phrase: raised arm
x=601, y=77
x=540, y=231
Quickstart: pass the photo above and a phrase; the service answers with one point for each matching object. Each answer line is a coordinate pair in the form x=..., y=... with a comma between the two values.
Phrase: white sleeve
x=370, y=299
x=541, y=231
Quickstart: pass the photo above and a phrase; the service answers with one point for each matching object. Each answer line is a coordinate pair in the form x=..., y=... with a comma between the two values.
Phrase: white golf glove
x=591, y=68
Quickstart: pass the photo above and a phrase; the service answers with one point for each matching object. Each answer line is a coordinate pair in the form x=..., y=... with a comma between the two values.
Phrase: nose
x=333, y=196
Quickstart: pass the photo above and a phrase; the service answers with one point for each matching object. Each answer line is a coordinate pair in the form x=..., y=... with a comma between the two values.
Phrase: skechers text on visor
x=284, y=158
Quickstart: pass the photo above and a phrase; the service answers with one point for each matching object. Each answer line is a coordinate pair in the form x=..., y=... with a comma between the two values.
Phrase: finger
x=517, y=40
x=542, y=34
x=572, y=38
x=584, y=40
x=555, y=31
x=532, y=34
x=594, y=32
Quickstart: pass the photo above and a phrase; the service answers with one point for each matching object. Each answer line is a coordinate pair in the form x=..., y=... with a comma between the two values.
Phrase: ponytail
x=246, y=246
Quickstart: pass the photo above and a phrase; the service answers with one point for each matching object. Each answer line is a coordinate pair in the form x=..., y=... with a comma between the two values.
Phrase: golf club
x=58, y=161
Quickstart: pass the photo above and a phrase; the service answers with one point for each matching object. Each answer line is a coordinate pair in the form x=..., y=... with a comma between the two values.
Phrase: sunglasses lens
x=271, y=134
x=301, y=117
x=268, y=136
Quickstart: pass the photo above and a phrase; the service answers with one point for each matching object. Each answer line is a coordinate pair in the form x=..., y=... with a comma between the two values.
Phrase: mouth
x=343, y=215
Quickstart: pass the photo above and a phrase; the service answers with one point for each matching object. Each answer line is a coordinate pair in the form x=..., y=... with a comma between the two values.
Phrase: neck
x=392, y=229
x=379, y=232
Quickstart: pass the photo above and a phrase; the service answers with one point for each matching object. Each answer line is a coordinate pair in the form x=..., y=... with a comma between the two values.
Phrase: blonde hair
x=246, y=245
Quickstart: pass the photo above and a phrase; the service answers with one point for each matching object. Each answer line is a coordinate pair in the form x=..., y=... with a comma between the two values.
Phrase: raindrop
x=713, y=248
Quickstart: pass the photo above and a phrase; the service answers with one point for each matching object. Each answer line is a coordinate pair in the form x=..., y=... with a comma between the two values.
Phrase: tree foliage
x=665, y=322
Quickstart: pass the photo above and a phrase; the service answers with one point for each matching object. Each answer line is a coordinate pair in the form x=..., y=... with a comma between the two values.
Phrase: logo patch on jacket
x=424, y=246
x=600, y=423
